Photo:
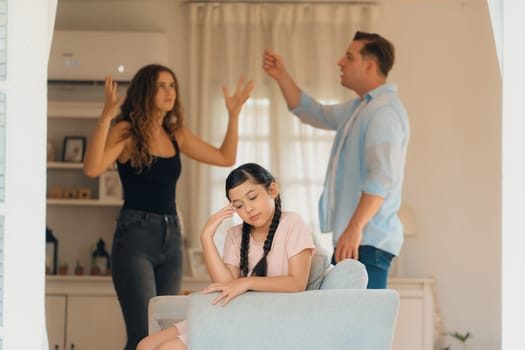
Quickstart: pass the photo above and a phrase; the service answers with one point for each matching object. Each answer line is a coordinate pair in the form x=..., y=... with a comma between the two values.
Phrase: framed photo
x=198, y=266
x=50, y=151
x=109, y=186
x=74, y=148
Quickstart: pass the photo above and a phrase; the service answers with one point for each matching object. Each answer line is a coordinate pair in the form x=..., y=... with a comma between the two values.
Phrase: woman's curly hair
x=138, y=107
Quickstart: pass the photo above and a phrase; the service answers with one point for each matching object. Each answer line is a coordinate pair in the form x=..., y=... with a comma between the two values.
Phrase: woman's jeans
x=146, y=261
x=377, y=263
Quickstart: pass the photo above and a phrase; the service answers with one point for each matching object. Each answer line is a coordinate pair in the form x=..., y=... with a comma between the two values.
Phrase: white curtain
x=227, y=40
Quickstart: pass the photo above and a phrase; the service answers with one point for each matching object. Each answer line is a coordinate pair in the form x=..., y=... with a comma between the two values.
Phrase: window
x=295, y=153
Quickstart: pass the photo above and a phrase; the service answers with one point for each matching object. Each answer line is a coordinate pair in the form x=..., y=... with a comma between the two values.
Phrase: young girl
x=269, y=252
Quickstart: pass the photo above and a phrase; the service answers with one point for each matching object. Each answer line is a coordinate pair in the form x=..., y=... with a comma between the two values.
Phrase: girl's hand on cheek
x=216, y=220
x=228, y=290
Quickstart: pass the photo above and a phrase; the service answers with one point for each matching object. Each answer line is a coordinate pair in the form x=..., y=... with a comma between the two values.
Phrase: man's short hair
x=379, y=47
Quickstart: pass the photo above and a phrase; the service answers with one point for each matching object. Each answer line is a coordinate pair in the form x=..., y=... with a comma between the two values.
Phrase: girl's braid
x=245, y=244
x=261, y=268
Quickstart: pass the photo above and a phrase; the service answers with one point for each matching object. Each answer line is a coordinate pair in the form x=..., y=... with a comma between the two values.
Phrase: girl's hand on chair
x=216, y=220
x=228, y=290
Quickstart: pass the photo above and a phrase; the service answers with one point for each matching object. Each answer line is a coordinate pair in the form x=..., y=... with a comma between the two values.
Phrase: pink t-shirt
x=292, y=237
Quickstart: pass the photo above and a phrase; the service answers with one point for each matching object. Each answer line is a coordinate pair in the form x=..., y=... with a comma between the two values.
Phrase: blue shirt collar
x=387, y=87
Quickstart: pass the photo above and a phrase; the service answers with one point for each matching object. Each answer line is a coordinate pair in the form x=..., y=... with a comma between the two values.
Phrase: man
x=362, y=190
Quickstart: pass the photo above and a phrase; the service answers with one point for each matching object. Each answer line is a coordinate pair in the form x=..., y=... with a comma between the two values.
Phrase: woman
x=146, y=139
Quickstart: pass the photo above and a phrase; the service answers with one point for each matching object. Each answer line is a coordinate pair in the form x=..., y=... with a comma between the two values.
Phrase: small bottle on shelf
x=100, y=259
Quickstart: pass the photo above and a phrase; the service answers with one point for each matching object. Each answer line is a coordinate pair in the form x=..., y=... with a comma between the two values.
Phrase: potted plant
x=95, y=270
x=459, y=337
x=62, y=268
x=79, y=269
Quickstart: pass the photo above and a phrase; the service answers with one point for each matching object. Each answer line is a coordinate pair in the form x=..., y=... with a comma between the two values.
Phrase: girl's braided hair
x=256, y=173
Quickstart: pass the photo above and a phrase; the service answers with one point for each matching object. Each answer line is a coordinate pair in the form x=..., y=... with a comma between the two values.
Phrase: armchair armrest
x=164, y=311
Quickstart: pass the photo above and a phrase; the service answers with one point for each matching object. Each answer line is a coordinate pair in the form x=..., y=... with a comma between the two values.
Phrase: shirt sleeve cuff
x=305, y=104
x=375, y=188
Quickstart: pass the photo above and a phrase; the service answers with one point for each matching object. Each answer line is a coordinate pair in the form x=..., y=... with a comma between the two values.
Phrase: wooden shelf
x=71, y=165
x=64, y=165
x=74, y=110
x=102, y=285
x=84, y=202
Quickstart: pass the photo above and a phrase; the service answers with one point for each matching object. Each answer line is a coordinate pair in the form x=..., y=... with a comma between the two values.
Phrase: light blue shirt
x=371, y=159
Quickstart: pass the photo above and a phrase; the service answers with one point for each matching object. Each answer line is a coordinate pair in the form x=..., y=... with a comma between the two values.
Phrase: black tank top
x=153, y=189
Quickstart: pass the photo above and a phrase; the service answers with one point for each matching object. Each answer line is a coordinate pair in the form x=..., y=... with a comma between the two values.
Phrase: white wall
x=22, y=282
x=448, y=77
x=513, y=169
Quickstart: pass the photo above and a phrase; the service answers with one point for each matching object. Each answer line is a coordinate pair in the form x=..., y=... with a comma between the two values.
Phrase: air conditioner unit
x=88, y=56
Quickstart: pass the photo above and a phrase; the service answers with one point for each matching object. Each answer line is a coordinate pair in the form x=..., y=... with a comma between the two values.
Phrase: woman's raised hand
x=112, y=102
x=216, y=220
x=235, y=102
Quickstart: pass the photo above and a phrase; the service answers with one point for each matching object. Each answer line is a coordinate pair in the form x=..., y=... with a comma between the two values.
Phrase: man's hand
x=348, y=244
x=273, y=65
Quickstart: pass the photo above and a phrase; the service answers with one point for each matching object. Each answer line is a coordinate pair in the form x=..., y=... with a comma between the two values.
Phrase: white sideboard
x=83, y=313
x=415, y=319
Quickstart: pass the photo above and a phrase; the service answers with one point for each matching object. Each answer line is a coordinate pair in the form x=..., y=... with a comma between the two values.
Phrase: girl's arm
x=217, y=269
x=106, y=143
x=295, y=281
x=226, y=154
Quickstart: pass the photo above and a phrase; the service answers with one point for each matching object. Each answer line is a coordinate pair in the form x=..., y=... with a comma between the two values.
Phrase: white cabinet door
x=94, y=322
x=56, y=321
x=415, y=319
x=409, y=325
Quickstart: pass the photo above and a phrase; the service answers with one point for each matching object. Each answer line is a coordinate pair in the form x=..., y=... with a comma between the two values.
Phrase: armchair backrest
x=358, y=319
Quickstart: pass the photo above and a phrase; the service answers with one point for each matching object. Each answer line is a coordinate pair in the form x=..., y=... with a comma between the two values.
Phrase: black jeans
x=146, y=261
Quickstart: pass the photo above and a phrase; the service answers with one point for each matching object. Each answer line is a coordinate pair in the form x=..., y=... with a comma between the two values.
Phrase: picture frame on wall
x=50, y=151
x=109, y=186
x=74, y=148
x=197, y=264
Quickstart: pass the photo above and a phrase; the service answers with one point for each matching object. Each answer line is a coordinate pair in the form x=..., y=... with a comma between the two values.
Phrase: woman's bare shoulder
x=122, y=124
x=179, y=136
x=121, y=129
